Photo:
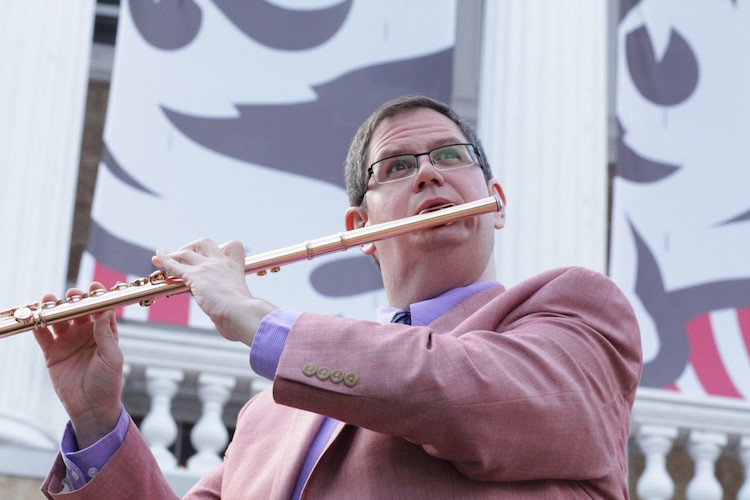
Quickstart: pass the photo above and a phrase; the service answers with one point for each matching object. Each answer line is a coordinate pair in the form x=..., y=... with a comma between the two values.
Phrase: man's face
x=418, y=131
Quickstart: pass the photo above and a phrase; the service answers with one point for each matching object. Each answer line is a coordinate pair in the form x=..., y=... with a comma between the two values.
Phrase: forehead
x=412, y=131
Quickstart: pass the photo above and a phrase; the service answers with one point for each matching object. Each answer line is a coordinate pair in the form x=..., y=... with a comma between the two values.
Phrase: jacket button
x=309, y=369
x=337, y=376
x=351, y=379
x=323, y=373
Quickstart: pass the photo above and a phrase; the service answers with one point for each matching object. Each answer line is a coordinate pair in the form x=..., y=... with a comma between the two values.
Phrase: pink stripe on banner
x=174, y=310
x=743, y=317
x=706, y=360
x=108, y=277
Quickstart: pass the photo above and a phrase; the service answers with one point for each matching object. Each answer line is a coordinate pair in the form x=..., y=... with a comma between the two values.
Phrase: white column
x=743, y=451
x=210, y=435
x=159, y=427
x=543, y=121
x=705, y=448
x=656, y=442
x=44, y=59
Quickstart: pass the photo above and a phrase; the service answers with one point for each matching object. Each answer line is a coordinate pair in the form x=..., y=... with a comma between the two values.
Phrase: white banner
x=681, y=212
x=231, y=120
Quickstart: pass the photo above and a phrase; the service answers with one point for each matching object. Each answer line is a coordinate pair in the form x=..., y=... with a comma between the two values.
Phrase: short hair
x=355, y=167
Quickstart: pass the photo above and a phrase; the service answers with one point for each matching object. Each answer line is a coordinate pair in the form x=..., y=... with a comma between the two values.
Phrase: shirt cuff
x=269, y=342
x=83, y=465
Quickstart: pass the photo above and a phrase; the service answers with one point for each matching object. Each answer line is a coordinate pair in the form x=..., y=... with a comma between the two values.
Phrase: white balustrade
x=656, y=442
x=210, y=436
x=126, y=369
x=159, y=427
x=703, y=427
x=705, y=448
x=179, y=378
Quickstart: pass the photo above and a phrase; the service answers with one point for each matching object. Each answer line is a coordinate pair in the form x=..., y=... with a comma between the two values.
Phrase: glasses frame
x=472, y=148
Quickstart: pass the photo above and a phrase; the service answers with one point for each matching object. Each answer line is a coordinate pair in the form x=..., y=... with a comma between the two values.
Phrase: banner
x=681, y=209
x=231, y=120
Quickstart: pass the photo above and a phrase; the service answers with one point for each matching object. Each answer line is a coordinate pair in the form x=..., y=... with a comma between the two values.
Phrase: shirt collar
x=425, y=312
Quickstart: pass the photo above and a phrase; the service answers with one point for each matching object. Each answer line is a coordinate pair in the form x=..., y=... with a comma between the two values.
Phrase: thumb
x=106, y=335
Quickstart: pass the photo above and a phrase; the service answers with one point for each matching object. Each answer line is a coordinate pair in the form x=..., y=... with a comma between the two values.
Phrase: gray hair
x=355, y=167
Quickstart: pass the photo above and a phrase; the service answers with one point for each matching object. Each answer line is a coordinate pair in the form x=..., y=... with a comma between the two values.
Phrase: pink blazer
x=519, y=393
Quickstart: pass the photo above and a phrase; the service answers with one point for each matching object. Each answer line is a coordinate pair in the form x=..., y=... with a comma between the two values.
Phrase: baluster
x=656, y=442
x=743, y=451
x=126, y=369
x=159, y=427
x=210, y=436
x=705, y=448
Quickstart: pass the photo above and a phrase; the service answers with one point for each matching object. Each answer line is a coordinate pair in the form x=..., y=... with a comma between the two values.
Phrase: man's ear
x=355, y=218
x=496, y=189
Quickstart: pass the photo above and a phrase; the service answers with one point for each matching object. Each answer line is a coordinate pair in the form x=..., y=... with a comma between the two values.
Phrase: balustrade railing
x=667, y=425
x=190, y=383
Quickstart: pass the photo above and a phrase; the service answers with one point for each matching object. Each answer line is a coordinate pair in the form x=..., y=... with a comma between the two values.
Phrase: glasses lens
x=395, y=169
x=453, y=156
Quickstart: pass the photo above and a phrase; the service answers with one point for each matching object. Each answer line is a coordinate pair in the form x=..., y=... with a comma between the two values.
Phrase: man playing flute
x=461, y=388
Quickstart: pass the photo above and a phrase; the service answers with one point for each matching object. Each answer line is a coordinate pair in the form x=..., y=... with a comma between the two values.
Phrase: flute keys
x=157, y=276
x=23, y=314
x=263, y=272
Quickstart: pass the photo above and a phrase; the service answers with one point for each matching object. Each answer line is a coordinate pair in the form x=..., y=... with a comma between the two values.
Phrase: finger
x=95, y=289
x=171, y=264
x=49, y=301
x=74, y=295
x=207, y=247
x=234, y=250
x=43, y=337
x=105, y=334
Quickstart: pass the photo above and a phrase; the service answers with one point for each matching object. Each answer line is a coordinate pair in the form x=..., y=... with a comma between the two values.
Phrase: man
x=488, y=393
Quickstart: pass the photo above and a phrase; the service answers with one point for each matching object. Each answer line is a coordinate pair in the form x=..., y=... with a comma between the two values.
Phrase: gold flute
x=144, y=290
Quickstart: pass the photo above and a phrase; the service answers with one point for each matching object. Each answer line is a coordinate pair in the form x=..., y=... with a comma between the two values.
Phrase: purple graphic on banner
x=261, y=133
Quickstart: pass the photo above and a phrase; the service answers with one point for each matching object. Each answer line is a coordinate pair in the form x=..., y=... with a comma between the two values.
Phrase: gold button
x=309, y=369
x=323, y=373
x=351, y=379
x=337, y=376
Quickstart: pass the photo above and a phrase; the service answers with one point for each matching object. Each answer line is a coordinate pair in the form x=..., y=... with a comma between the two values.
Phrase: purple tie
x=403, y=317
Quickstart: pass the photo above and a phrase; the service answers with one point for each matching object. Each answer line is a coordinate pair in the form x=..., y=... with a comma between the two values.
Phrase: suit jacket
x=519, y=393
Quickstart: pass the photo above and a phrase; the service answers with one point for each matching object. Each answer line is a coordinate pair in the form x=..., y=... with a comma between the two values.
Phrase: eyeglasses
x=400, y=167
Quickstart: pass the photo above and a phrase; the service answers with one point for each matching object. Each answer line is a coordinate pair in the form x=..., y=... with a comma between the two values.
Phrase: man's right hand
x=85, y=362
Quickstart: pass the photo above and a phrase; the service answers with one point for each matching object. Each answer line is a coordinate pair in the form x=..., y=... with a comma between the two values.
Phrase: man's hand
x=216, y=278
x=84, y=362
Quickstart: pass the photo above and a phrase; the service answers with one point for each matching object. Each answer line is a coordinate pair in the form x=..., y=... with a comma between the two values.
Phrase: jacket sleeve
x=131, y=472
x=534, y=382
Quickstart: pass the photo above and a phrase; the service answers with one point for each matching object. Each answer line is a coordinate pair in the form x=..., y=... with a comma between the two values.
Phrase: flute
x=145, y=290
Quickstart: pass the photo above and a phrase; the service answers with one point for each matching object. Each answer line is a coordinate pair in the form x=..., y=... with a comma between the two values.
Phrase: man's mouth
x=435, y=209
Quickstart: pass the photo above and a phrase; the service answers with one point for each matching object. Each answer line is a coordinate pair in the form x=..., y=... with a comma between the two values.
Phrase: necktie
x=403, y=317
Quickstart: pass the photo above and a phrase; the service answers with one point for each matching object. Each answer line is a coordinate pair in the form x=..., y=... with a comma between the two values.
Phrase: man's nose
x=427, y=174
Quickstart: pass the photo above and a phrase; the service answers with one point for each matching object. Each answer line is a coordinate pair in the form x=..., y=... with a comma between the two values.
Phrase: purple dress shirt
x=82, y=465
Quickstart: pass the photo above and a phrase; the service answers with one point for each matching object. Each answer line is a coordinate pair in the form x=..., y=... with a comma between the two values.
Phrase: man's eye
x=399, y=167
x=447, y=154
